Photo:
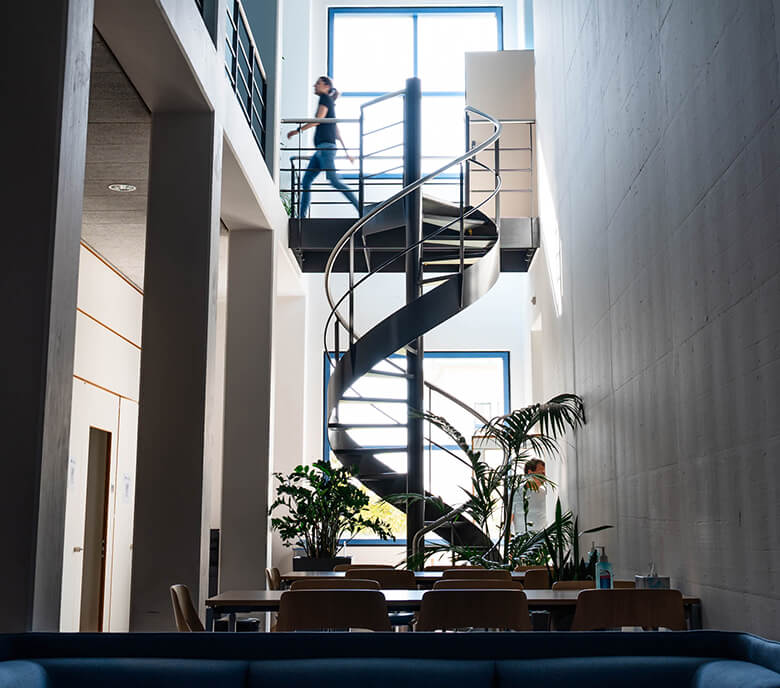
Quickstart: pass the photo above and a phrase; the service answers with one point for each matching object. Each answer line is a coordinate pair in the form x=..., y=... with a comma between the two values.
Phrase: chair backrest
x=476, y=584
x=334, y=584
x=447, y=567
x=474, y=574
x=337, y=610
x=536, y=579
x=573, y=585
x=388, y=579
x=183, y=609
x=599, y=609
x=273, y=578
x=450, y=610
x=347, y=567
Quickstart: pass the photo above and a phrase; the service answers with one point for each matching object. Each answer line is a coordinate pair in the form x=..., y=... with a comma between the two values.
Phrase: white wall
x=105, y=396
x=657, y=122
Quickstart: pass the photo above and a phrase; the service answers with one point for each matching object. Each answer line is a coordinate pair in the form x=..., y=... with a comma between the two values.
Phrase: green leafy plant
x=562, y=539
x=521, y=434
x=324, y=505
x=286, y=199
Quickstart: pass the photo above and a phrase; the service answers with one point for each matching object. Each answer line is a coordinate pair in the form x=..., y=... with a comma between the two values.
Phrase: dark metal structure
x=451, y=254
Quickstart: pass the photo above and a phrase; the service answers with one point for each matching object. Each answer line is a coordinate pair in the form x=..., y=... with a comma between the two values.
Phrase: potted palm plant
x=323, y=507
x=530, y=431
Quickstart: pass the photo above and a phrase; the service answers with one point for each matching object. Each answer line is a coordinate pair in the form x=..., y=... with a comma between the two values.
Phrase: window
x=372, y=51
x=478, y=378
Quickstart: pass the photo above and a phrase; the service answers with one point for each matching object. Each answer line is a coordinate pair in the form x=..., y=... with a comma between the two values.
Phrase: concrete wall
x=669, y=278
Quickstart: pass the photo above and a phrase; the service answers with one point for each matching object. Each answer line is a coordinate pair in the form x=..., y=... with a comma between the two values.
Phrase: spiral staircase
x=453, y=262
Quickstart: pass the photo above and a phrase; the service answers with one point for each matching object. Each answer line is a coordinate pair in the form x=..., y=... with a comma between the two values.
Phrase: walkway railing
x=245, y=69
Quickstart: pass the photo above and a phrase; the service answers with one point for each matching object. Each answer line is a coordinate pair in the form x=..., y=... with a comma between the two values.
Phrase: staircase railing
x=347, y=239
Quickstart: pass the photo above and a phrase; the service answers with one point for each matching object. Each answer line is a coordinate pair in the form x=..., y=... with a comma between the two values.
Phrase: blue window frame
x=502, y=356
x=372, y=50
x=444, y=482
x=414, y=13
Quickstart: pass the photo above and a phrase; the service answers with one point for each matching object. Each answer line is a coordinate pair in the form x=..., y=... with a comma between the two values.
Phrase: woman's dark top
x=326, y=133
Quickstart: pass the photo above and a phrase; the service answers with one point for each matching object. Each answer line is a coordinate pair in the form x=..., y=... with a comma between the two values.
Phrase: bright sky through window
x=374, y=50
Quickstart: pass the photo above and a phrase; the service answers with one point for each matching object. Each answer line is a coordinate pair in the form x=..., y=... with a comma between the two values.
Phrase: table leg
x=694, y=616
x=210, y=614
x=232, y=622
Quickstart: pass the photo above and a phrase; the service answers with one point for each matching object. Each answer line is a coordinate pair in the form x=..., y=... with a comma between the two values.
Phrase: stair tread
x=386, y=373
x=374, y=400
x=373, y=450
x=347, y=426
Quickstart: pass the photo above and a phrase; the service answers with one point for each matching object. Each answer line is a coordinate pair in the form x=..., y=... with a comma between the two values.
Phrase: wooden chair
x=347, y=567
x=273, y=578
x=600, y=609
x=447, y=567
x=588, y=584
x=477, y=574
x=477, y=584
x=536, y=579
x=332, y=610
x=388, y=579
x=334, y=584
x=184, y=612
x=450, y=610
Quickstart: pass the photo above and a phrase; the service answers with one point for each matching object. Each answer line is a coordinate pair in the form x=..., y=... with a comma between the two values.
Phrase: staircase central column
x=414, y=361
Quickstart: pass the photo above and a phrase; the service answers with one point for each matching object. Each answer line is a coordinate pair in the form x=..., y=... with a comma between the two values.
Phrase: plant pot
x=312, y=564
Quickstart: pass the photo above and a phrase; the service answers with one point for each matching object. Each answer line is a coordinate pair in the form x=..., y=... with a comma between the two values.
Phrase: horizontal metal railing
x=245, y=70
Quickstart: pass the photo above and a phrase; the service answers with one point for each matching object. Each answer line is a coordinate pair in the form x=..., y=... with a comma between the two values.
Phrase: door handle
x=78, y=549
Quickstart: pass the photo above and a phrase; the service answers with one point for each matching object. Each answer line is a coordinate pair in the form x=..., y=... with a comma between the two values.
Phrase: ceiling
x=114, y=224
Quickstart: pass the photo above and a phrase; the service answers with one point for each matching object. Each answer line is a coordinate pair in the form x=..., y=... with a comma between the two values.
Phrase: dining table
x=422, y=578
x=234, y=602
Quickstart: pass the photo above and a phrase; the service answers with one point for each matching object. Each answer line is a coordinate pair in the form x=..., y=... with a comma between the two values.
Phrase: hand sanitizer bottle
x=603, y=570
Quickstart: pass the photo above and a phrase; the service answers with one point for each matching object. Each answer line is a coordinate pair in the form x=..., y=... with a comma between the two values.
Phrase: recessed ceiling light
x=121, y=188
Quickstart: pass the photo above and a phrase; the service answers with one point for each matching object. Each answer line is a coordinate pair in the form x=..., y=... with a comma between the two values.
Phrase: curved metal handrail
x=357, y=226
x=405, y=191
x=390, y=261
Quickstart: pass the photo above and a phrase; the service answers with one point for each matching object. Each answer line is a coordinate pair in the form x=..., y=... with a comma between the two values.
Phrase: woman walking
x=324, y=158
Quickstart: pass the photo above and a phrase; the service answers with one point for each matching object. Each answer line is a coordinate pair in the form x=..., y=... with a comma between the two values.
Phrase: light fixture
x=121, y=188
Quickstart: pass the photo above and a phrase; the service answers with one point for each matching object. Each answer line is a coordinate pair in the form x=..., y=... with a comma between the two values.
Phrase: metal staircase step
x=373, y=477
x=451, y=261
x=354, y=426
x=369, y=451
x=437, y=279
x=373, y=400
x=385, y=373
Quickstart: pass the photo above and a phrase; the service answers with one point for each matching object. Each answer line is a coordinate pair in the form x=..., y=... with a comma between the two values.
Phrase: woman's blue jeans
x=323, y=160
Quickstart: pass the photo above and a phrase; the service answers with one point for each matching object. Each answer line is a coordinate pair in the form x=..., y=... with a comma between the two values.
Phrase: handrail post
x=462, y=247
x=497, y=179
x=415, y=480
x=338, y=355
x=467, y=191
x=351, y=291
x=361, y=188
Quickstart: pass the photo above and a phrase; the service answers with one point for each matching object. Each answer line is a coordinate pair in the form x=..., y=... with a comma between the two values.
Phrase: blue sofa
x=700, y=659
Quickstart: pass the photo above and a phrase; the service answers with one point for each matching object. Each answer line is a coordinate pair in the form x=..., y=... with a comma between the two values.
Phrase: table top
x=408, y=600
x=420, y=576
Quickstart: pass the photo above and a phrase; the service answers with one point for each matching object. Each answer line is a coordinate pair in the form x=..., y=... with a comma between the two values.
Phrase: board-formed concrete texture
x=658, y=124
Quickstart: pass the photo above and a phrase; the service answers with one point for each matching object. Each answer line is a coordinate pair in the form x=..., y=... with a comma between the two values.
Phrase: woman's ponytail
x=332, y=90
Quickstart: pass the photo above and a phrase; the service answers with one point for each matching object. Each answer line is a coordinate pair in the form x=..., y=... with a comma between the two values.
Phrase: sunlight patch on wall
x=550, y=235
